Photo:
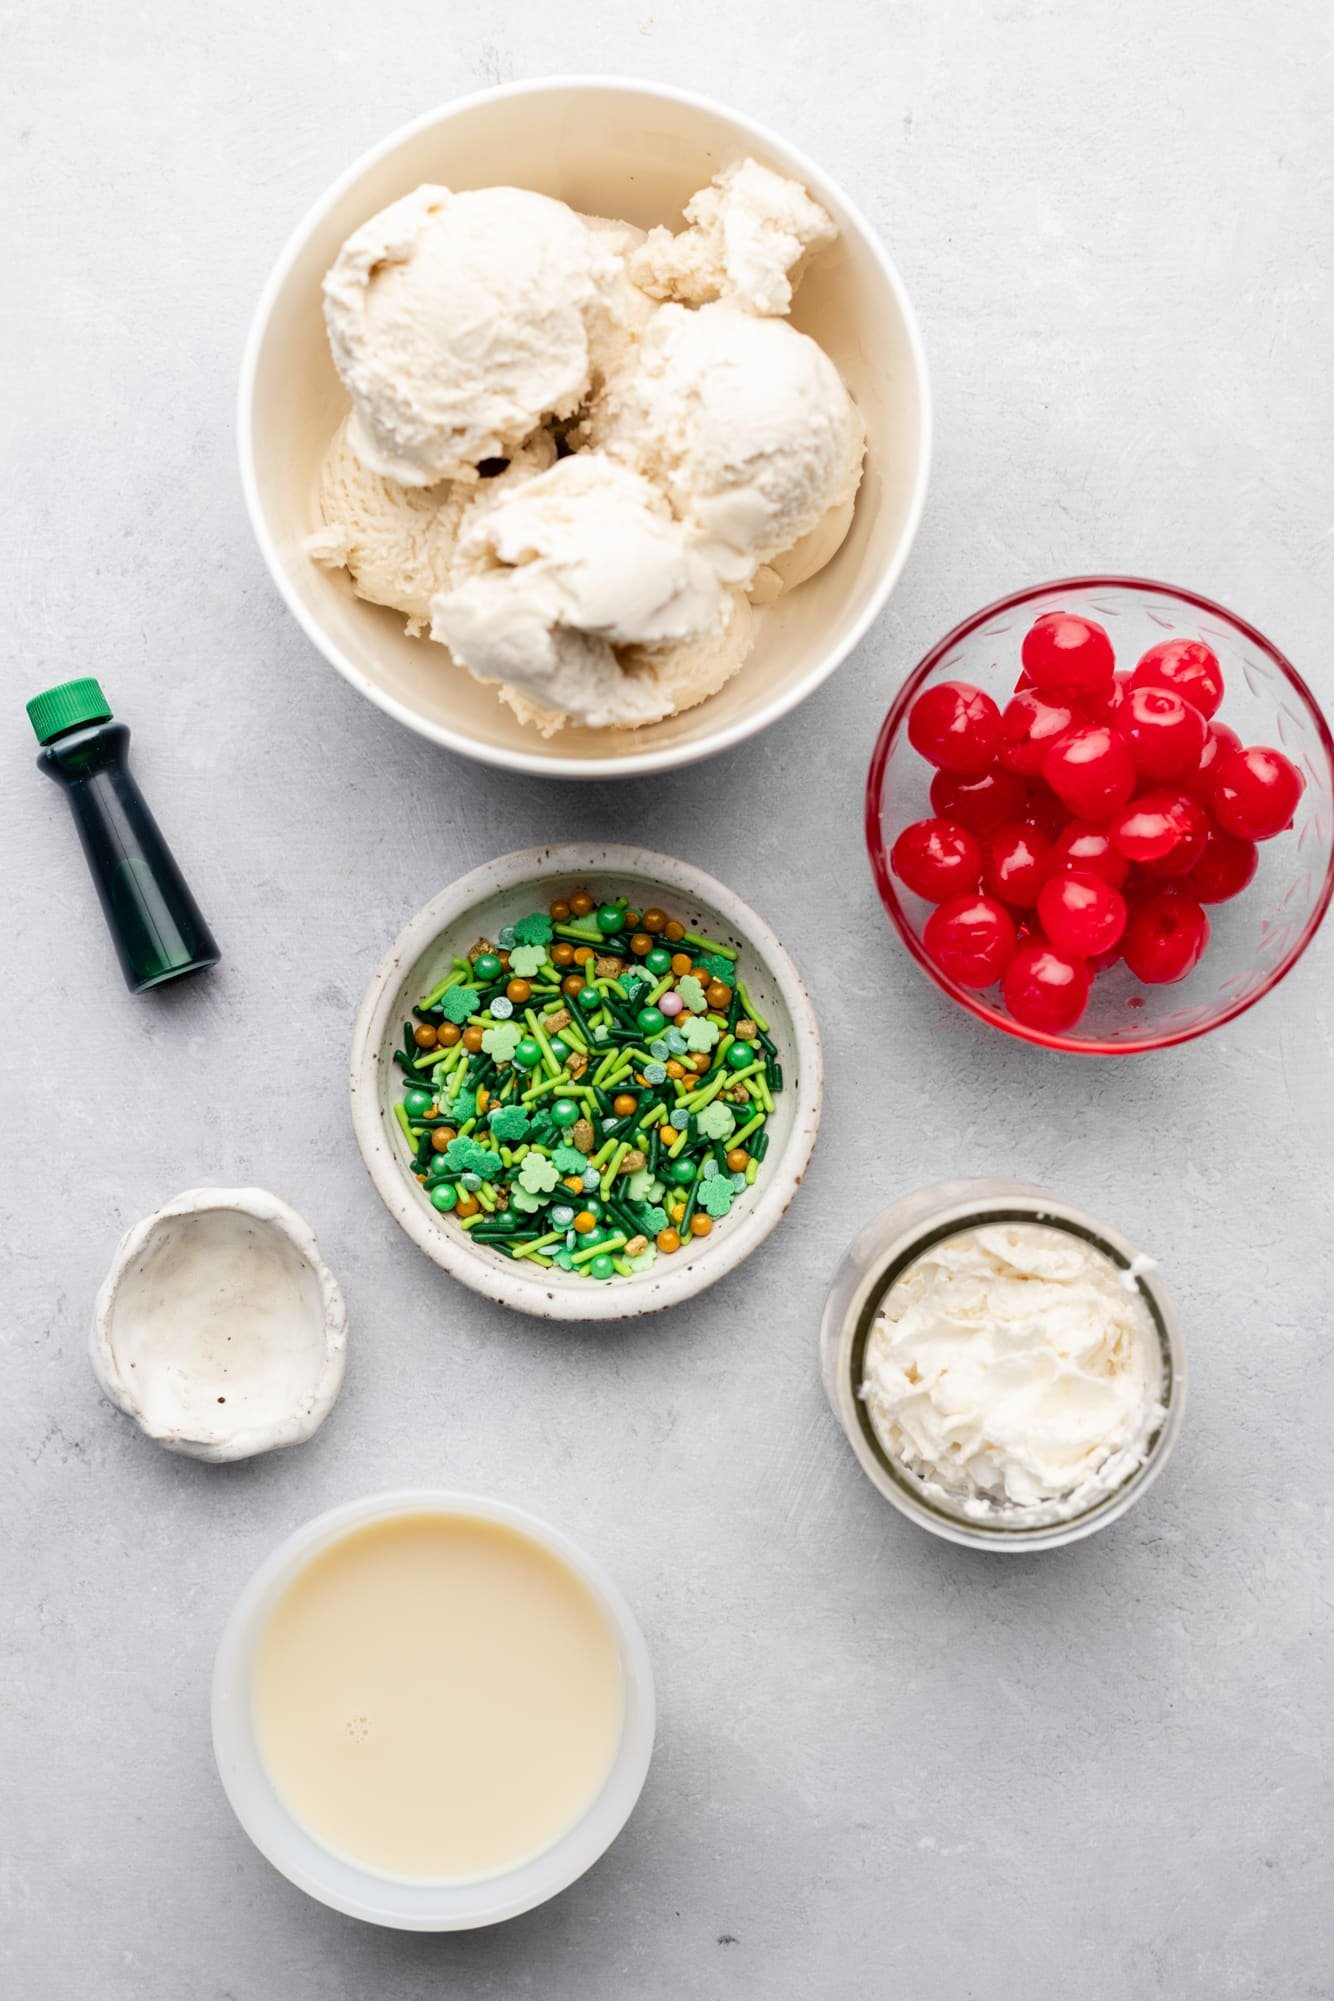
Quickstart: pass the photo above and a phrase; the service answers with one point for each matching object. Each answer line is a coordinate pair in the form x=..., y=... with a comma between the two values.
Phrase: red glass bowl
x=1257, y=937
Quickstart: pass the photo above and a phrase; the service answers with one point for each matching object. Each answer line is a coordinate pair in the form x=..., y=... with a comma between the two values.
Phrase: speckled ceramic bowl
x=477, y=906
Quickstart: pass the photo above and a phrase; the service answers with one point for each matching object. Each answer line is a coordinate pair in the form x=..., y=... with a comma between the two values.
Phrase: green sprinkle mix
x=535, y=1141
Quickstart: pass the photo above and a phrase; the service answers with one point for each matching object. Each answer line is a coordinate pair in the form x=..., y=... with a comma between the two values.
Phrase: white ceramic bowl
x=884, y=1249
x=386, y=1900
x=637, y=152
x=266, y=1378
x=477, y=906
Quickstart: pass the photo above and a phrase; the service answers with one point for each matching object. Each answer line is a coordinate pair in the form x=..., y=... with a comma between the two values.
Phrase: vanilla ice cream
x=397, y=542
x=750, y=232
x=553, y=578
x=713, y=452
x=743, y=422
x=459, y=322
x=1014, y=1374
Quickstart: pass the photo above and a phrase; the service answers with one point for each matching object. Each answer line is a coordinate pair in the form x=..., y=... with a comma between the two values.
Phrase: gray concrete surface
x=885, y=1767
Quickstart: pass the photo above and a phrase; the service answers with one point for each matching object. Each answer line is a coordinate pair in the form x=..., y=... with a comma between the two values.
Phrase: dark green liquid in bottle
x=158, y=928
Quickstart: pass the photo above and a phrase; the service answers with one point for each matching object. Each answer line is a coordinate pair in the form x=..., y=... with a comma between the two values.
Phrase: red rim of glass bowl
x=884, y=881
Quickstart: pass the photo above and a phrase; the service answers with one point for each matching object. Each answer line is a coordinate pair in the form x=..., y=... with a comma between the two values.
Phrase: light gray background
x=885, y=1766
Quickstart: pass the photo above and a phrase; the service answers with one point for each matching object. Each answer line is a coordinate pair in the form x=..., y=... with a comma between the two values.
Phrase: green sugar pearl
x=658, y=961
x=682, y=1172
x=417, y=1102
x=739, y=1056
x=445, y=1196
x=609, y=919
x=590, y=999
x=601, y=1266
x=528, y=1054
x=565, y=1112
x=486, y=966
x=651, y=1021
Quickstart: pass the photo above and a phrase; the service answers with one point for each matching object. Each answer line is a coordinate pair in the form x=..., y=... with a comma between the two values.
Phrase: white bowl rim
x=669, y=1282
x=636, y=763
x=495, y=1898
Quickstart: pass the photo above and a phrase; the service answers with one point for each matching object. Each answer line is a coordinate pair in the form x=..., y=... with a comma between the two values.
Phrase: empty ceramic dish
x=219, y=1329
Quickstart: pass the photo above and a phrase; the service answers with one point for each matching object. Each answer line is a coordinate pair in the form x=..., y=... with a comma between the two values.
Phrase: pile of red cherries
x=1091, y=820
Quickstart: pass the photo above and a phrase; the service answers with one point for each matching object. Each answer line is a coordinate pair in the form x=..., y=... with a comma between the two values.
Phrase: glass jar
x=879, y=1256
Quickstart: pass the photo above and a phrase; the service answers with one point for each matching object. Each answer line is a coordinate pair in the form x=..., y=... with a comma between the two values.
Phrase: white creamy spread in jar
x=1013, y=1375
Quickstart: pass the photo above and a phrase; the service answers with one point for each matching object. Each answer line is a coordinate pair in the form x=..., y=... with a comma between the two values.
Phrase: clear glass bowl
x=885, y=1248
x=1257, y=937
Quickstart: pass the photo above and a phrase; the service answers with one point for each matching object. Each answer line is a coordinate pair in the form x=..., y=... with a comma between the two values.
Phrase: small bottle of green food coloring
x=156, y=924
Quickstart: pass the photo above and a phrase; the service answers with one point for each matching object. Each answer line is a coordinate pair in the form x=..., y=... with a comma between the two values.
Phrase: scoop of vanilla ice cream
x=750, y=233
x=549, y=581
x=397, y=542
x=745, y=423
x=458, y=322
x=665, y=679
x=631, y=307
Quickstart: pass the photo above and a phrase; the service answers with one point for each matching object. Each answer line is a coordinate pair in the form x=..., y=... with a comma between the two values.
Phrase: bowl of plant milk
x=431, y=1710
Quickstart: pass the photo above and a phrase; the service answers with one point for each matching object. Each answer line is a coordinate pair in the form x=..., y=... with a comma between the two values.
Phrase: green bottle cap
x=66, y=707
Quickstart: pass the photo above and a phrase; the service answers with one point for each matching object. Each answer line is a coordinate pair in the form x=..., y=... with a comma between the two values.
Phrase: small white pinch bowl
x=478, y=905
x=888, y=1245
x=637, y=152
x=345, y=1885
x=187, y=1383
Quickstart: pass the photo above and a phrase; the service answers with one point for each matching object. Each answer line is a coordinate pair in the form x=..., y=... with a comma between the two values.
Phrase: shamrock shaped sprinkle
x=568, y=1160
x=469, y=1156
x=525, y=960
x=692, y=994
x=698, y=1033
x=463, y=1106
x=655, y=1219
x=716, y=1121
x=534, y=929
x=637, y=1186
x=648, y=1256
x=510, y=1123
x=526, y=1204
x=716, y=1196
x=501, y=1041
x=459, y=1003
x=717, y=967
x=633, y=978
x=564, y=1259
x=538, y=1174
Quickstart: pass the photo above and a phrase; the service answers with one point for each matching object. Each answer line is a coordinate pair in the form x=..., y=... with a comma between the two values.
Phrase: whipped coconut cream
x=1013, y=1375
